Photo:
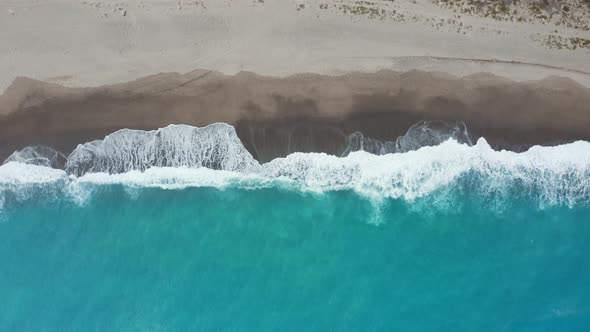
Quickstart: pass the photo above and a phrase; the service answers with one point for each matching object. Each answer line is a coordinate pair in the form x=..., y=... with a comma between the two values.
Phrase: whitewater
x=178, y=157
x=183, y=229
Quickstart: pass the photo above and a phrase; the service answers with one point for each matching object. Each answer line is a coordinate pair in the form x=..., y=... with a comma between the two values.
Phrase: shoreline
x=277, y=116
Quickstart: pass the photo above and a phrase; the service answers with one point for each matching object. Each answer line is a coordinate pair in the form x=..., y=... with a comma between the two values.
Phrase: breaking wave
x=178, y=157
x=423, y=133
x=38, y=155
x=215, y=146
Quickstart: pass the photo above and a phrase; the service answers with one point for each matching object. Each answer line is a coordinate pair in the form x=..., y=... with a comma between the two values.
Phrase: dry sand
x=97, y=42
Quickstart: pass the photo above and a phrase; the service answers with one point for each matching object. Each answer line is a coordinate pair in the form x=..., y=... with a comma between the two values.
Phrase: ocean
x=446, y=238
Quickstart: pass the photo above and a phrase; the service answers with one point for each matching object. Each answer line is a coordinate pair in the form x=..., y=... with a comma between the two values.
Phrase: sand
x=92, y=42
x=268, y=112
x=73, y=71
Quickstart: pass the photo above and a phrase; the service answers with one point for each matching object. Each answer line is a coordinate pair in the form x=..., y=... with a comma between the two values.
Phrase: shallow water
x=268, y=259
x=445, y=238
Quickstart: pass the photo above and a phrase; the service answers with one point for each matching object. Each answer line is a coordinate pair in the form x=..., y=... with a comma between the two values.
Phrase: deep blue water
x=205, y=259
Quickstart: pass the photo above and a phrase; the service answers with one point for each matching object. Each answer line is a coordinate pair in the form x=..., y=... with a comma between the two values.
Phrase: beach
x=282, y=67
x=295, y=165
x=100, y=42
x=277, y=116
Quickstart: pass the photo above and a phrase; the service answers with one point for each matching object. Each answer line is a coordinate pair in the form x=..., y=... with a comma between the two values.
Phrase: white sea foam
x=17, y=174
x=421, y=134
x=21, y=182
x=551, y=175
x=215, y=146
x=38, y=155
x=175, y=178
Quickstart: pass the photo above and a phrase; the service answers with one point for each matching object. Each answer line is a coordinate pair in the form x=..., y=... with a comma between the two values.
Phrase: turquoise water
x=445, y=238
x=272, y=259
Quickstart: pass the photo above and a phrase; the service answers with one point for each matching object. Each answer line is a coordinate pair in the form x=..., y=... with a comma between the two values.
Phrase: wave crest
x=549, y=175
x=421, y=134
x=216, y=146
x=184, y=156
x=38, y=155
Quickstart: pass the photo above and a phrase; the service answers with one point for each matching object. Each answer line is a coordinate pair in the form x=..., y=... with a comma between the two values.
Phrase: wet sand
x=67, y=44
x=306, y=112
